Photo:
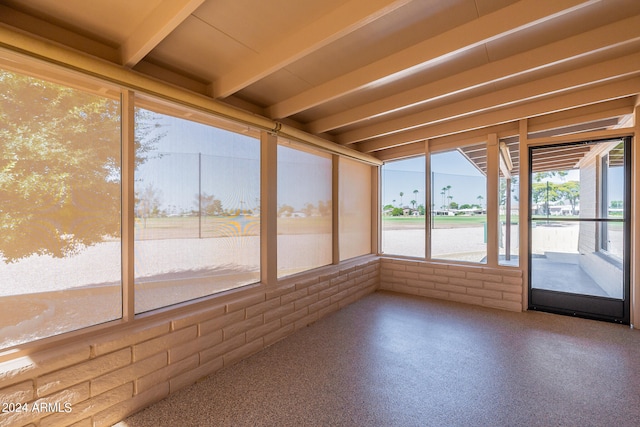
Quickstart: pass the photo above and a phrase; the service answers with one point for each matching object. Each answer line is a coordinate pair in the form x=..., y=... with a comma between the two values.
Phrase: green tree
x=569, y=191
x=209, y=204
x=544, y=192
x=539, y=176
x=59, y=167
x=148, y=203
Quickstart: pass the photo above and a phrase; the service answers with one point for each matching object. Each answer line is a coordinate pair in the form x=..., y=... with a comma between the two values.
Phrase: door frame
x=580, y=305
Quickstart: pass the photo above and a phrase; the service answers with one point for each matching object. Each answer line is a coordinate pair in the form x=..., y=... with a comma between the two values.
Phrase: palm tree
x=443, y=193
x=401, y=194
x=480, y=201
x=415, y=194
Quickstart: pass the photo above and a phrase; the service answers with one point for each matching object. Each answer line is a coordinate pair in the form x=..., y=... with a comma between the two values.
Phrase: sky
x=229, y=166
x=449, y=169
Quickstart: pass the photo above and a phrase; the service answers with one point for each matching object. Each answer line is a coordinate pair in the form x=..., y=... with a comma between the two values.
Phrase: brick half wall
x=490, y=287
x=99, y=379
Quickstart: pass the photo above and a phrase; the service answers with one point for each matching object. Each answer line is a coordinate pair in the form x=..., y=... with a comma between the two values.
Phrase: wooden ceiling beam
x=153, y=29
x=336, y=24
x=589, y=113
x=563, y=82
x=471, y=137
x=592, y=95
x=582, y=127
x=493, y=26
x=410, y=150
x=590, y=43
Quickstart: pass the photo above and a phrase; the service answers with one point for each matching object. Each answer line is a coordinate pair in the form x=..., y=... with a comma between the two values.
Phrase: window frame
x=179, y=103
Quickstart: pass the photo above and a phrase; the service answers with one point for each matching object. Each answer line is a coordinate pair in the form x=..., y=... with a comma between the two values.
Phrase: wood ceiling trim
x=410, y=150
x=584, y=136
x=581, y=127
x=586, y=44
x=159, y=24
x=563, y=82
x=338, y=23
x=493, y=26
x=592, y=95
x=471, y=137
x=589, y=113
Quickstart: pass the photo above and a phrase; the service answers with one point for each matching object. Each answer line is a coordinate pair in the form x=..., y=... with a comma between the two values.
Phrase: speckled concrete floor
x=396, y=360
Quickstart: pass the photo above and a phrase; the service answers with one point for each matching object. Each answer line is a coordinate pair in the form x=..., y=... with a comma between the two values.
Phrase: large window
x=304, y=209
x=60, y=267
x=403, y=207
x=193, y=200
x=459, y=210
x=355, y=208
x=197, y=226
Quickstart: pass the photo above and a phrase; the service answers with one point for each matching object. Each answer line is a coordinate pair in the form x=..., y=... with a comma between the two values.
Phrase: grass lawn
x=440, y=221
x=214, y=226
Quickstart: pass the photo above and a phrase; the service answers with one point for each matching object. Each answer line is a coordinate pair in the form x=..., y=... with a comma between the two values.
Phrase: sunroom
x=185, y=183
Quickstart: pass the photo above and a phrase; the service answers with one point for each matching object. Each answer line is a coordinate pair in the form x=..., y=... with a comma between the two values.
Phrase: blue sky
x=449, y=168
x=229, y=166
x=231, y=171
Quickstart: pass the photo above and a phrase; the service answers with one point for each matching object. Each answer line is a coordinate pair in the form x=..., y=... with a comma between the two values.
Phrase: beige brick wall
x=491, y=287
x=99, y=379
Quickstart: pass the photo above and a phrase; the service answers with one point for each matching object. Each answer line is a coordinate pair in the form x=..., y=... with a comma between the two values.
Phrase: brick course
x=490, y=287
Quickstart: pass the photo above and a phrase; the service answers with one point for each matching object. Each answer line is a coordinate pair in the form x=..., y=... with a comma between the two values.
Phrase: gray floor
x=564, y=277
x=396, y=360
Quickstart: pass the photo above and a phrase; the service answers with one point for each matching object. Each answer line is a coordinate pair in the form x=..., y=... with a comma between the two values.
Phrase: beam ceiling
x=377, y=76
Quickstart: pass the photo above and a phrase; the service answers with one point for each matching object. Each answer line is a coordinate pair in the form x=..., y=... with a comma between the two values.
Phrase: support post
x=524, y=210
x=493, y=187
x=268, y=208
x=128, y=205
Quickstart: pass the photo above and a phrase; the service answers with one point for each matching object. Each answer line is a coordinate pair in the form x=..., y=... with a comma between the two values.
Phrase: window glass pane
x=355, y=208
x=459, y=216
x=611, y=234
x=403, y=207
x=572, y=181
x=197, y=226
x=304, y=209
x=508, y=196
x=60, y=252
